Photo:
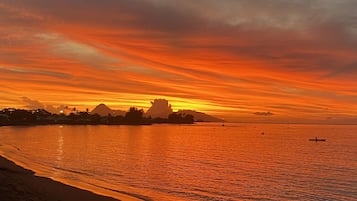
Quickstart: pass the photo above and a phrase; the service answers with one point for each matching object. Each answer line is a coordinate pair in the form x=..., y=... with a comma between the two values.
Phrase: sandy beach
x=17, y=184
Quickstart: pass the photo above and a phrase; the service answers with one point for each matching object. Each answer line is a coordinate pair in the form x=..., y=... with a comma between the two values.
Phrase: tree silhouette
x=95, y=119
x=134, y=116
x=22, y=117
x=180, y=118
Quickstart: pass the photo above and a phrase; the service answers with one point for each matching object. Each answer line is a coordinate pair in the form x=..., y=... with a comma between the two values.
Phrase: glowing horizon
x=259, y=61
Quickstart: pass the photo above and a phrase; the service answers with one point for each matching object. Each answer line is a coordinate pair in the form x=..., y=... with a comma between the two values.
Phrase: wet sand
x=19, y=184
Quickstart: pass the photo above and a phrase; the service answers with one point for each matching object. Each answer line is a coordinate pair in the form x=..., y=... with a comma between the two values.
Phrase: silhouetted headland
x=11, y=117
x=159, y=112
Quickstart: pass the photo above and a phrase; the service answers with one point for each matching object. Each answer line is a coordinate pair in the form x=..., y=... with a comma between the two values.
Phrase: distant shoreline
x=75, y=124
x=89, y=124
x=14, y=117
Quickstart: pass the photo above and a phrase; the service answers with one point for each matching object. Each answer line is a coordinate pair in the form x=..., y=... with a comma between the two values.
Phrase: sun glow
x=231, y=63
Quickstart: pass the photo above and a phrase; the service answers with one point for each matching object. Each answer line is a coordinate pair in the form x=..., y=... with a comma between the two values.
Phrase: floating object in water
x=317, y=139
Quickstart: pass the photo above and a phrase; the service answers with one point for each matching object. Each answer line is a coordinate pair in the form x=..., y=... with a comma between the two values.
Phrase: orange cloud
x=232, y=64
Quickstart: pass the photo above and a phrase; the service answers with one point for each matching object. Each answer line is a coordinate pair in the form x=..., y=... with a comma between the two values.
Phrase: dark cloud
x=345, y=70
x=35, y=104
x=32, y=104
x=263, y=113
x=270, y=27
x=188, y=16
x=304, y=33
x=22, y=71
x=116, y=14
x=13, y=16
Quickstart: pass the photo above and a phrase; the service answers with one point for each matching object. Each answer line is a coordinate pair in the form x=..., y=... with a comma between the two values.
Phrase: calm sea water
x=194, y=162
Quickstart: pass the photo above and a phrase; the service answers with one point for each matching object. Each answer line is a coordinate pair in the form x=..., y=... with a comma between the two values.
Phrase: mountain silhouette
x=200, y=116
x=104, y=110
x=160, y=108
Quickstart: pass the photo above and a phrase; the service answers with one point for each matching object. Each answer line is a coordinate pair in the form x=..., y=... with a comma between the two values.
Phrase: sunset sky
x=242, y=60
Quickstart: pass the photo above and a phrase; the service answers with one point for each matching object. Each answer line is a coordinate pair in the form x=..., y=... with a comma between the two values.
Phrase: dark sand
x=19, y=184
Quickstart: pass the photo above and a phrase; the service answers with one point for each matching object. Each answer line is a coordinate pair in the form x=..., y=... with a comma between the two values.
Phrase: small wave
x=141, y=197
x=200, y=196
x=72, y=171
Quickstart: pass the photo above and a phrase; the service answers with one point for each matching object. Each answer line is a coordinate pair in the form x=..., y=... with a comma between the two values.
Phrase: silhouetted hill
x=104, y=110
x=200, y=116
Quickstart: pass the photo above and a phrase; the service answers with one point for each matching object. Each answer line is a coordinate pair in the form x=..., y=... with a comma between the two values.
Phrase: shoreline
x=18, y=183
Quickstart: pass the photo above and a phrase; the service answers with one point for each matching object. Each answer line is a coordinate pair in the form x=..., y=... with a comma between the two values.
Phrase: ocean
x=204, y=161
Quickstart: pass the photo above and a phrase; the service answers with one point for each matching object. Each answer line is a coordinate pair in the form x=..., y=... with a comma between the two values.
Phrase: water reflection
x=59, y=153
x=171, y=162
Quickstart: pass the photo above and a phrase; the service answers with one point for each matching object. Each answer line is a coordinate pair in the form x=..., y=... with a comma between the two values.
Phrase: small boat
x=317, y=139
